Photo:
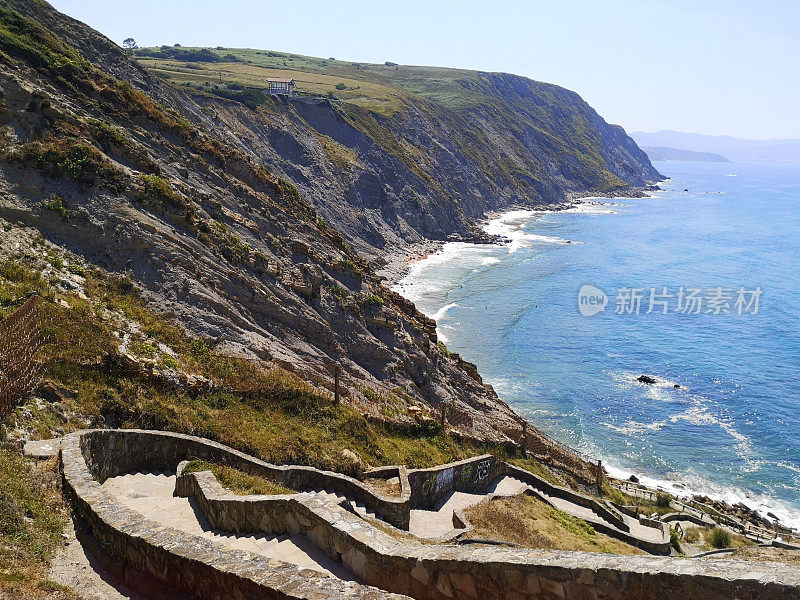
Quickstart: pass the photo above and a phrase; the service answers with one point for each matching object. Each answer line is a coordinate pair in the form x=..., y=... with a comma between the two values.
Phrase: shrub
x=74, y=159
x=159, y=190
x=106, y=134
x=719, y=538
x=370, y=300
x=675, y=541
x=341, y=86
x=56, y=204
x=337, y=291
x=55, y=261
x=346, y=265
x=663, y=500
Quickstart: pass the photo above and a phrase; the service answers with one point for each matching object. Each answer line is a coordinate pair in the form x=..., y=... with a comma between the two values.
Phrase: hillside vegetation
x=427, y=150
x=205, y=254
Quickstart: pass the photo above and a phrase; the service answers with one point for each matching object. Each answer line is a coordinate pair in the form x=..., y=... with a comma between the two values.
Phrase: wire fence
x=22, y=338
x=713, y=515
x=549, y=450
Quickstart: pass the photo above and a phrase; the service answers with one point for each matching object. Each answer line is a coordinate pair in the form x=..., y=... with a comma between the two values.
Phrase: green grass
x=237, y=481
x=71, y=158
x=376, y=96
x=32, y=516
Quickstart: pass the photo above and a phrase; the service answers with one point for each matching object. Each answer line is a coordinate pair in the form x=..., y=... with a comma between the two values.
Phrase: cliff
x=246, y=222
x=416, y=152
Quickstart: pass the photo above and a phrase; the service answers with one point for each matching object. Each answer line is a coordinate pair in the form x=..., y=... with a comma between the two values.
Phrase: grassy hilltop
x=381, y=88
x=545, y=132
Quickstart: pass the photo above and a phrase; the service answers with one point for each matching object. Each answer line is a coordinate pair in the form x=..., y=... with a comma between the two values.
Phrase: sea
x=696, y=286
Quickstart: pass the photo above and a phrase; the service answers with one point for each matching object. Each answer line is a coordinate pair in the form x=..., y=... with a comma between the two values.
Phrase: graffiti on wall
x=438, y=483
x=482, y=470
x=462, y=477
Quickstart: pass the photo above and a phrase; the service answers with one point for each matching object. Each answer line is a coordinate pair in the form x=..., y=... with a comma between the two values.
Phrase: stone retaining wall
x=472, y=475
x=420, y=488
x=180, y=560
x=156, y=450
x=423, y=571
x=438, y=572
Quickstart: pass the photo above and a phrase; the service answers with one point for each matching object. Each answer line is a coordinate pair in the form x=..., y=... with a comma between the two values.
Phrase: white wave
x=595, y=208
x=632, y=427
x=689, y=484
x=511, y=225
x=439, y=314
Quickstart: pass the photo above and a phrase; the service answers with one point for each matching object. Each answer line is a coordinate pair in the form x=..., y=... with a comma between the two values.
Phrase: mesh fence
x=21, y=341
x=545, y=448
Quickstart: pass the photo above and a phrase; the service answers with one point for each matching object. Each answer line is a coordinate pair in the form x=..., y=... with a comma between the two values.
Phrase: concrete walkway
x=435, y=523
x=150, y=494
x=638, y=530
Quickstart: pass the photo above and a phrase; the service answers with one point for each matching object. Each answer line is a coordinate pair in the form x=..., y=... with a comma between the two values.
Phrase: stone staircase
x=151, y=494
x=334, y=498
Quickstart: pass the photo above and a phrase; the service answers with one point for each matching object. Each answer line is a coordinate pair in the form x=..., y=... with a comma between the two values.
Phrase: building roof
x=280, y=80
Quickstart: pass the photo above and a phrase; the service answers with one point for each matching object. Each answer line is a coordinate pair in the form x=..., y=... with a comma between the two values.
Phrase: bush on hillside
x=719, y=538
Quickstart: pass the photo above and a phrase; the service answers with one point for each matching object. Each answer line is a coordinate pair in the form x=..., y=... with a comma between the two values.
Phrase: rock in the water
x=646, y=379
x=633, y=479
x=677, y=385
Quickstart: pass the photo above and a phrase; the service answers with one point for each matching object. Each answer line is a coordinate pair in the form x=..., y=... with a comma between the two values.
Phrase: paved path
x=636, y=529
x=436, y=523
x=150, y=494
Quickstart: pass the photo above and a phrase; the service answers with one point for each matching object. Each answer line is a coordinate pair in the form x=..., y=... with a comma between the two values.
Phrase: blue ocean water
x=732, y=428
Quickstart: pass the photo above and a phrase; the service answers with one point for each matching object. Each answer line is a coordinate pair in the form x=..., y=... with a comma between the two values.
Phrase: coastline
x=399, y=260
x=729, y=495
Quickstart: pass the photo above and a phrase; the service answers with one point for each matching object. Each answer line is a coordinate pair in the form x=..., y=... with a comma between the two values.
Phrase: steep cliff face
x=236, y=254
x=196, y=199
x=431, y=170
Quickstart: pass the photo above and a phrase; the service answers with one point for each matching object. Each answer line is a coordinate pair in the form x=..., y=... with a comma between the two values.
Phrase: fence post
x=336, y=383
x=524, y=442
x=600, y=478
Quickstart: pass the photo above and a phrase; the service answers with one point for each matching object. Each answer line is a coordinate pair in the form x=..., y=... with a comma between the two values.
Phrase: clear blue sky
x=704, y=66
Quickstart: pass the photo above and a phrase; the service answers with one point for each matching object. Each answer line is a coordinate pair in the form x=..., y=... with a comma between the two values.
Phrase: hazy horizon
x=725, y=68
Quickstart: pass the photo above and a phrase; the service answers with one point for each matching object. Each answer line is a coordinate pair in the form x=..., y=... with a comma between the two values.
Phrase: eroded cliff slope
x=193, y=197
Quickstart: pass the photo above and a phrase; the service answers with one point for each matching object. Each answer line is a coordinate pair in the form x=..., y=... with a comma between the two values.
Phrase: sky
x=704, y=66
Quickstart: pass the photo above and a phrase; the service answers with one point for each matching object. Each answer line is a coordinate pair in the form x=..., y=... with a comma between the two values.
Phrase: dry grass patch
x=239, y=482
x=528, y=521
x=32, y=516
x=789, y=557
x=386, y=487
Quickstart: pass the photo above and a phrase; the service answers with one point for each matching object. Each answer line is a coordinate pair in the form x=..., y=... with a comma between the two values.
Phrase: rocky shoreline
x=398, y=261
